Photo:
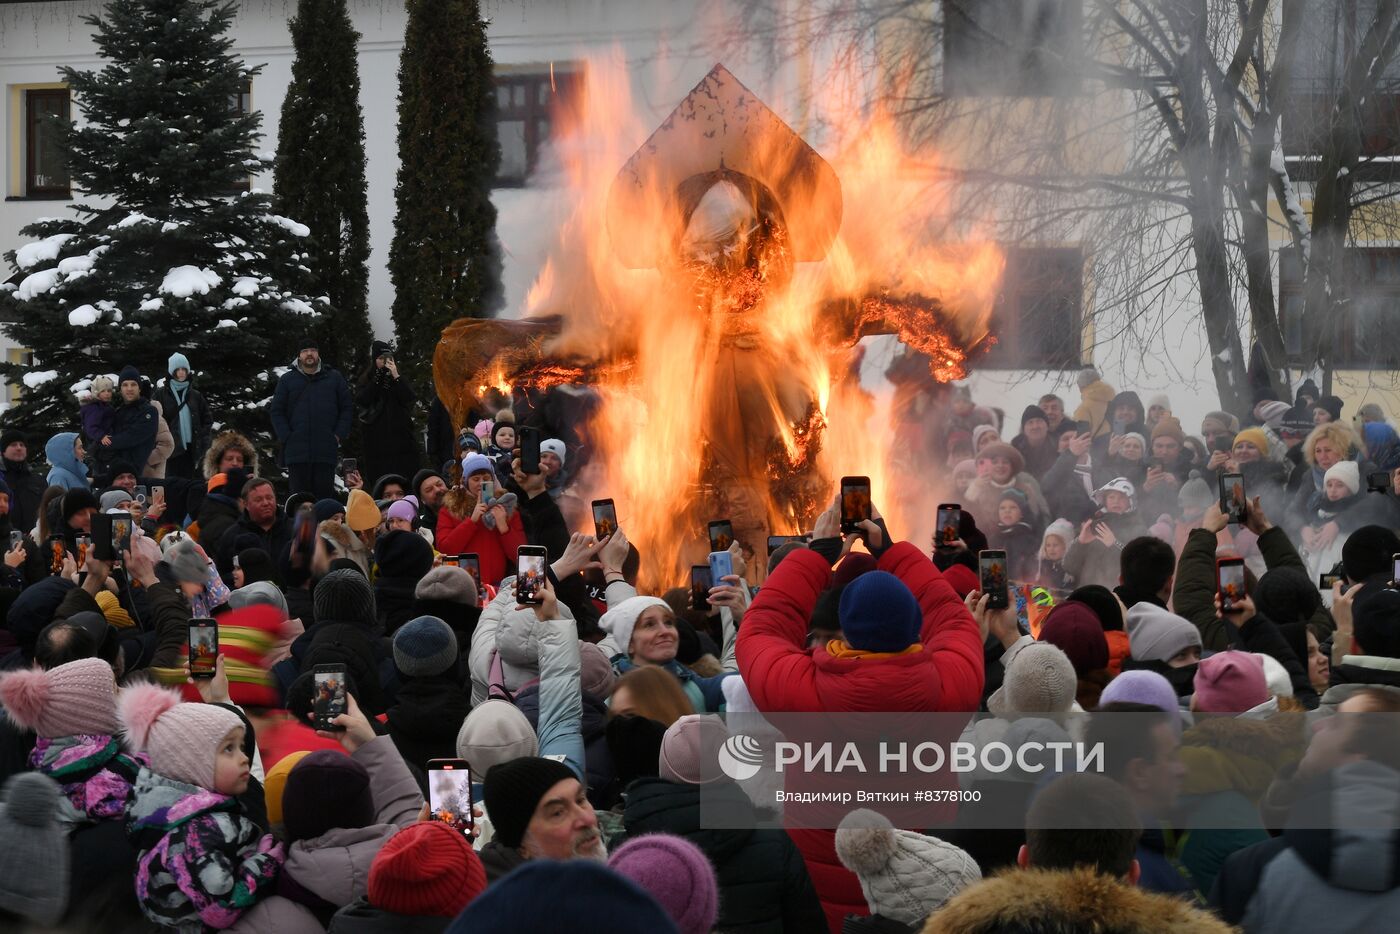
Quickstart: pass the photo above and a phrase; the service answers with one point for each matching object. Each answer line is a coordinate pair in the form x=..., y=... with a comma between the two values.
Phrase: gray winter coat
x=1313, y=879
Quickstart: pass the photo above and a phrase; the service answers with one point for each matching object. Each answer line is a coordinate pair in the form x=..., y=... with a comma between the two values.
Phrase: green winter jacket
x=1193, y=593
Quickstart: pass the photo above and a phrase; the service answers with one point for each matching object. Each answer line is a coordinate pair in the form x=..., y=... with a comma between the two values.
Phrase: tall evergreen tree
x=320, y=176
x=445, y=261
x=182, y=259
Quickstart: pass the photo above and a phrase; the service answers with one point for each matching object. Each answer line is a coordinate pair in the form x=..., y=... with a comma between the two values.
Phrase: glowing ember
x=712, y=293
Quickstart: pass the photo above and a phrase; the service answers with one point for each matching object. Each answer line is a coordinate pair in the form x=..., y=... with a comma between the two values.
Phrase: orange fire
x=718, y=318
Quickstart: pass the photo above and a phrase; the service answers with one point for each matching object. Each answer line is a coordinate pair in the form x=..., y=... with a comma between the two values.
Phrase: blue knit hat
x=326, y=508
x=177, y=361
x=424, y=647
x=129, y=372
x=879, y=614
x=475, y=463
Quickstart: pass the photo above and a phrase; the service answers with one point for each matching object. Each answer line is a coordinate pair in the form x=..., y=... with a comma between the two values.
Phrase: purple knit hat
x=676, y=873
x=73, y=699
x=1140, y=686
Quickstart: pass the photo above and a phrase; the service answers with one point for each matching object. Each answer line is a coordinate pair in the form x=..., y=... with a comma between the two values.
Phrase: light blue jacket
x=67, y=472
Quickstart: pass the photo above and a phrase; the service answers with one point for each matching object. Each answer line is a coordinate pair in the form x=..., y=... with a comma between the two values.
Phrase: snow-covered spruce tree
x=320, y=176
x=171, y=255
x=445, y=260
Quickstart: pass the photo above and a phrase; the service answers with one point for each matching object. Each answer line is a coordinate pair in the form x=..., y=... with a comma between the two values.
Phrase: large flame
x=735, y=393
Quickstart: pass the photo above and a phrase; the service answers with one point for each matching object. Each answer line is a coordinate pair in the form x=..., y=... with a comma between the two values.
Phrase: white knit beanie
x=1347, y=472
x=905, y=876
x=1040, y=679
x=619, y=621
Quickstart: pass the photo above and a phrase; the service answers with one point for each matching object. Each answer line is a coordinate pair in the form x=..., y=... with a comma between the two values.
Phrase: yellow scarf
x=839, y=648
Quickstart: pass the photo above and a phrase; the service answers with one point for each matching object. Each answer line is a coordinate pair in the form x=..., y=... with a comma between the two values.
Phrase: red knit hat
x=427, y=869
x=962, y=579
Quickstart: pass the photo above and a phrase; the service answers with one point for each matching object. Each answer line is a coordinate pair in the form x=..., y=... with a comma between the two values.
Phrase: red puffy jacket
x=782, y=676
x=496, y=551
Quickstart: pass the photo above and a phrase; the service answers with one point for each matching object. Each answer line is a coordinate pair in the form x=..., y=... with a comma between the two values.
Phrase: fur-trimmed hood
x=221, y=443
x=1042, y=901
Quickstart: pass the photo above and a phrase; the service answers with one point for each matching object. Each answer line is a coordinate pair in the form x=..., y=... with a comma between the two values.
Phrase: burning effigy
x=713, y=293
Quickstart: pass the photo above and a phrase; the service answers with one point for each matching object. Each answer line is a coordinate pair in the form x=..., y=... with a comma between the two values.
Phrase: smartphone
x=472, y=565
x=777, y=541
x=1232, y=500
x=488, y=490
x=855, y=502
x=450, y=794
x=141, y=495
x=992, y=567
x=328, y=701
x=1325, y=581
x=949, y=523
x=721, y=532
x=700, y=583
x=57, y=549
x=530, y=561
x=721, y=566
x=1229, y=582
x=604, y=518
x=1120, y=426
x=121, y=536
x=348, y=465
x=16, y=539
x=102, y=537
x=203, y=646
x=84, y=543
x=529, y=439
x=1378, y=482
x=1395, y=567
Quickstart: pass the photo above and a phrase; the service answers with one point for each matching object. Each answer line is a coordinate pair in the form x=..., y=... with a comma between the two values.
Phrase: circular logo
x=740, y=757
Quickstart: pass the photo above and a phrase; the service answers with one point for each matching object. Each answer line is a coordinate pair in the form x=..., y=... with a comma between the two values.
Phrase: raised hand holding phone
x=547, y=607
x=351, y=727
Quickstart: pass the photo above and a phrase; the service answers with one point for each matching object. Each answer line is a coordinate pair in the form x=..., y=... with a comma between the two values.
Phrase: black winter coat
x=201, y=419
x=134, y=428
x=360, y=917
x=394, y=601
x=217, y=514
x=272, y=541
x=763, y=882
x=26, y=490
x=311, y=415
x=424, y=722
x=391, y=445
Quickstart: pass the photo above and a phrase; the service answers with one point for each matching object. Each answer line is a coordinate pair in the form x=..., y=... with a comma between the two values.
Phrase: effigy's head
x=730, y=185
x=731, y=230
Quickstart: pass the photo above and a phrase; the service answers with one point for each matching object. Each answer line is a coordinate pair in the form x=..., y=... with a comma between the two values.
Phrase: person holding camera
x=385, y=403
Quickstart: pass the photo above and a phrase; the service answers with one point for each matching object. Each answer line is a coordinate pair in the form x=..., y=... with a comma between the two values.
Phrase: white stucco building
x=665, y=48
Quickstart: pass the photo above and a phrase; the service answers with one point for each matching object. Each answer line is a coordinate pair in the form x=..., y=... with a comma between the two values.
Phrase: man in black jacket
x=311, y=413
x=26, y=487
x=262, y=525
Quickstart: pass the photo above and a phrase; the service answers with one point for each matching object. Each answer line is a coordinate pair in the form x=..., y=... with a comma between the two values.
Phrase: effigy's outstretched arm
x=920, y=322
